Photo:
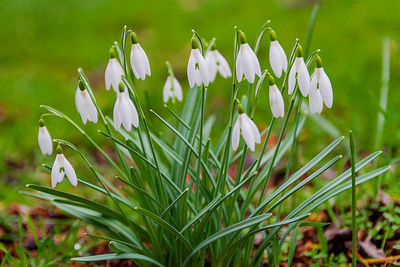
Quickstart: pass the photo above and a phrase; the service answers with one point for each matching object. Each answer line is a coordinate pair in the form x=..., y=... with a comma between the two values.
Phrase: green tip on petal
x=240, y=109
x=271, y=80
x=81, y=85
x=195, y=43
x=113, y=52
x=121, y=87
x=318, y=61
x=41, y=123
x=242, y=37
x=299, y=51
x=134, y=38
x=272, y=35
x=59, y=149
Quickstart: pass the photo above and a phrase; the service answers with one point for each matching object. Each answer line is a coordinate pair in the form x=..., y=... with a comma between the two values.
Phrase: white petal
x=283, y=57
x=70, y=172
x=177, y=89
x=145, y=60
x=247, y=64
x=247, y=132
x=325, y=88
x=134, y=119
x=254, y=130
x=113, y=74
x=275, y=59
x=44, y=140
x=91, y=108
x=223, y=66
x=203, y=70
x=116, y=112
x=191, y=69
x=292, y=77
x=239, y=68
x=55, y=171
x=255, y=62
x=167, y=89
x=303, y=78
x=276, y=102
x=134, y=61
x=236, y=135
x=125, y=112
x=211, y=65
x=315, y=101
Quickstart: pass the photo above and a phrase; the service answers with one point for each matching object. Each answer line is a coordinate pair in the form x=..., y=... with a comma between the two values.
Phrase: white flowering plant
x=174, y=202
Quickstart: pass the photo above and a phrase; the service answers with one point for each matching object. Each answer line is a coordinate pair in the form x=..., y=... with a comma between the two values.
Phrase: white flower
x=275, y=99
x=277, y=56
x=315, y=100
x=84, y=104
x=197, y=70
x=299, y=72
x=114, y=72
x=62, y=167
x=44, y=139
x=319, y=80
x=217, y=63
x=139, y=61
x=172, y=89
x=124, y=111
x=246, y=61
x=245, y=126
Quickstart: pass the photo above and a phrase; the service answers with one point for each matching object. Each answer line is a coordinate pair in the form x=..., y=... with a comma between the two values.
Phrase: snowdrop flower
x=216, y=63
x=172, y=89
x=62, y=167
x=246, y=61
x=321, y=83
x=197, y=70
x=315, y=100
x=277, y=56
x=245, y=126
x=139, y=61
x=275, y=99
x=113, y=71
x=124, y=111
x=299, y=72
x=84, y=104
x=44, y=139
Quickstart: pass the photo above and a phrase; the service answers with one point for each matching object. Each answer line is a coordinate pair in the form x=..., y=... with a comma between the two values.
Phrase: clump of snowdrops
x=176, y=204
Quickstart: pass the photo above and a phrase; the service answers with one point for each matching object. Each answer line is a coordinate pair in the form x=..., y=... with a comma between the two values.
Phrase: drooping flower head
x=246, y=61
x=299, y=73
x=275, y=99
x=44, y=139
x=84, y=104
x=114, y=71
x=247, y=128
x=277, y=56
x=124, y=110
x=61, y=168
x=139, y=61
x=197, y=70
x=320, y=88
x=216, y=63
x=172, y=88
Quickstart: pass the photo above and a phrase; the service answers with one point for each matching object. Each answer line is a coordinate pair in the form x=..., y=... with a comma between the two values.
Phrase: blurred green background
x=43, y=43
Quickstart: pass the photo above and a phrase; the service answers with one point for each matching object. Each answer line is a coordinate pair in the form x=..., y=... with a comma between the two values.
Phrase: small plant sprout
x=217, y=63
x=277, y=56
x=275, y=99
x=114, y=71
x=320, y=82
x=44, y=139
x=197, y=71
x=246, y=62
x=61, y=168
x=84, y=104
x=247, y=128
x=124, y=110
x=299, y=73
x=139, y=61
x=172, y=88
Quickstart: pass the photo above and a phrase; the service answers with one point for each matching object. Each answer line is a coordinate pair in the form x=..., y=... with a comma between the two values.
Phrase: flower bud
x=272, y=35
x=134, y=38
x=81, y=85
x=195, y=43
x=121, y=87
x=240, y=108
x=299, y=51
x=242, y=37
x=41, y=123
x=113, y=52
x=59, y=149
x=318, y=61
x=271, y=80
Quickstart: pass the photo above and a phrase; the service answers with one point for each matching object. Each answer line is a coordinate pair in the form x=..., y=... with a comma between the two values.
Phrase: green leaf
x=116, y=256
